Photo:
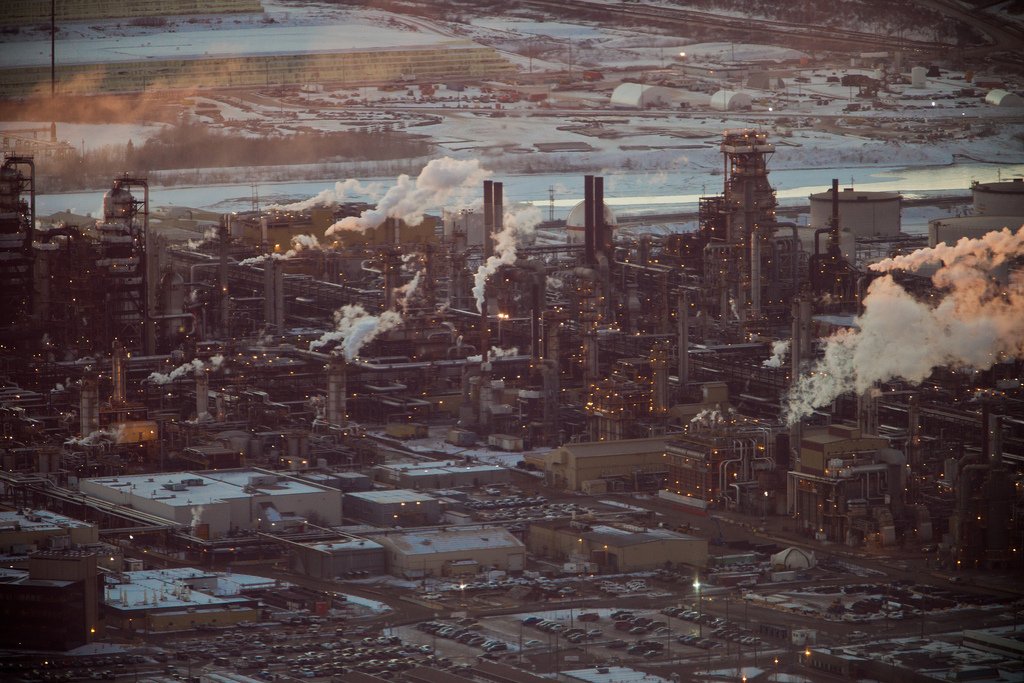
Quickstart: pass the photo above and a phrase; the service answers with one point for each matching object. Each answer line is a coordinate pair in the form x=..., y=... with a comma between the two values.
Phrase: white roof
x=166, y=588
x=1003, y=98
x=451, y=540
x=641, y=95
x=395, y=496
x=39, y=520
x=725, y=100
x=216, y=486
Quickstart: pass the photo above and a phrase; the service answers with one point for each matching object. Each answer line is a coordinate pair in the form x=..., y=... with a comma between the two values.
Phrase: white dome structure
x=639, y=96
x=1003, y=98
x=574, y=223
x=730, y=100
x=793, y=558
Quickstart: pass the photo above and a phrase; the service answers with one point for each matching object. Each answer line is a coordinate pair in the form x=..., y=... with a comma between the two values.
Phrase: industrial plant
x=441, y=427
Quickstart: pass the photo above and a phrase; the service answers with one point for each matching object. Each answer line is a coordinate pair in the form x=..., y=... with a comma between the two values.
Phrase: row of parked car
x=464, y=634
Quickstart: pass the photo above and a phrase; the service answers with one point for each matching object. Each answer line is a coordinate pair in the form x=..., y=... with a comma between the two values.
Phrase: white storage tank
x=949, y=231
x=918, y=77
x=864, y=214
x=1000, y=199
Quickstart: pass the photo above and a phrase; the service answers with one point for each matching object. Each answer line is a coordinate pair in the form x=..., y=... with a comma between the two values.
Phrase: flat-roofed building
x=23, y=531
x=439, y=475
x=452, y=552
x=213, y=504
x=617, y=548
x=599, y=466
x=333, y=559
x=395, y=507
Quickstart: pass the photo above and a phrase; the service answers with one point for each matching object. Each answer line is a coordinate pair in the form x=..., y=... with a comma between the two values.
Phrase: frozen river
x=629, y=192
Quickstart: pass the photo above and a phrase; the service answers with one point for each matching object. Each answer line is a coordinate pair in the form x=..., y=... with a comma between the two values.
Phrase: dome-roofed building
x=730, y=100
x=640, y=95
x=574, y=223
x=1003, y=98
x=793, y=558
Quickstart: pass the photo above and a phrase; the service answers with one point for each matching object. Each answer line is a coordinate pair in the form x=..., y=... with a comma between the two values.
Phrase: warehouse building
x=599, y=466
x=452, y=552
x=213, y=504
x=180, y=599
x=439, y=475
x=337, y=559
x=617, y=548
x=23, y=531
x=399, y=507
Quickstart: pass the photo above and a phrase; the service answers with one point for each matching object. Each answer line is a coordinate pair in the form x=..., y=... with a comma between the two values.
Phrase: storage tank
x=864, y=214
x=576, y=218
x=1000, y=199
x=918, y=77
x=949, y=230
x=118, y=204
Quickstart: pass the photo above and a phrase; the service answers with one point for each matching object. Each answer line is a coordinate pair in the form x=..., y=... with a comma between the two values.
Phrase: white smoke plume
x=110, y=434
x=518, y=221
x=407, y=292
x=187, y=370
x=442, y=182
x=355, y=328
x=780, y=350
x=341, y=192
x=299, y=243
x=197, y=516
x=495, y=352
x=975, y=323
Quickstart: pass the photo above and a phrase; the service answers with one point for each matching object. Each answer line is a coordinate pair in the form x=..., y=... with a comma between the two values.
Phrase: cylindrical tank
x=864, y=214
x=574, y=223
x=118, y=204
x=918, y=77
x=1000, y=199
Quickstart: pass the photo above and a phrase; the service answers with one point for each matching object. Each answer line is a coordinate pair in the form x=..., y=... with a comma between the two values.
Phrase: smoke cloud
x=518, y=221
x=111, y=434
x=299, y=243
x=441, y=182
x=186, y=370
x=355, y=328
x=975, y=323
x=780, y=350
x=407, y=291
x=339, y=194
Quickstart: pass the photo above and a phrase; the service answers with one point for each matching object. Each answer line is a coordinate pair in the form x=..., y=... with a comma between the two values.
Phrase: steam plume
x=299, y=243
x=188, y=369
x=780, y=350
x=342, y=191
x=974, y=324
x=110, y=434
x=355, y=328
x=407, y=291
x=520, y=220
x=442, y=181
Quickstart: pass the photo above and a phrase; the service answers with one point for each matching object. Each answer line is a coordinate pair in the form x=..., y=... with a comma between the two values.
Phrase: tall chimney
x=498, y=211
x=602, y=238
x=202, y=394
x=88, y=405
x=683, y=320
x=588, y=220
x=488, y=245
x=336, y=391
x=117, y=361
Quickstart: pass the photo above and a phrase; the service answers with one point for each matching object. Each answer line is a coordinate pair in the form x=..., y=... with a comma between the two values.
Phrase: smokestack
x=588, y=220
x=498, y=209
x=867, y=412
x=602, y=243
x=336, y=391
x=273, y=294
x=224, y=235
x=202, y=393
x=755, y=272
x=117, y=360
x=914, y=432
x=88, y=405
x=659, y=370
x=833, y=235
x=683, y=320
x=488, y=246
x=485, y=339
x=994, y=429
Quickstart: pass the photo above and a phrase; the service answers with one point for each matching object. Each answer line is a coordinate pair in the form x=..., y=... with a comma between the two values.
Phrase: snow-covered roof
x=451, y=540
x=1004, y=98
x=728, y=100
